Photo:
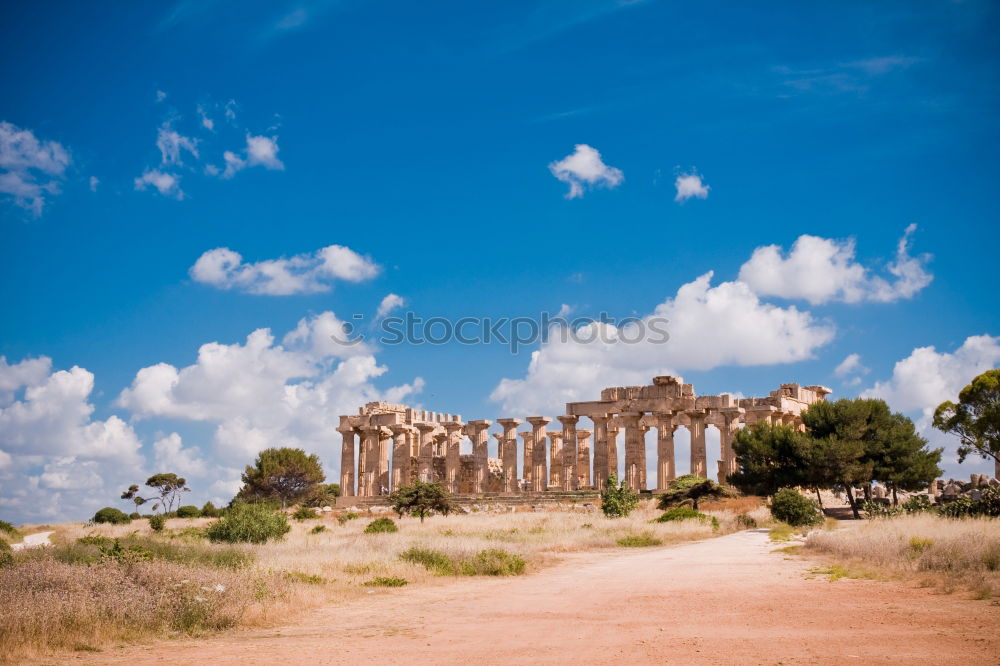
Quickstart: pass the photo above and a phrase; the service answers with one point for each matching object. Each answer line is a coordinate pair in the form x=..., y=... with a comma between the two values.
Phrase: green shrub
x=494, y=562
x=9, y=529
x=305, y=513
x=746, y=522
x=188, y=512
x=875, y=510
x=680, y=513
x=318, y=529
x=6, y=555
x=432, y=560
x=309, y=579
x=350, y=515
x=639, y=541
x=965, y=506
x=157, y=522
x=917, y=504
x=386, y=581
x=380, y=526
x=617, y=501
x=109, y=514
x=249, y=523
x=135, y=515
x=919, y=544
x=91, y=548
x=208, y=510
x=790, y=506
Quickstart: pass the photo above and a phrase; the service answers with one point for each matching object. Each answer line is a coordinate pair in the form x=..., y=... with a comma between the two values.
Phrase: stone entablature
x=426, y=445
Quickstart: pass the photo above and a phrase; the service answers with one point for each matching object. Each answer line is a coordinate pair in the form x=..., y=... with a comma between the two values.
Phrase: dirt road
x=729, y=600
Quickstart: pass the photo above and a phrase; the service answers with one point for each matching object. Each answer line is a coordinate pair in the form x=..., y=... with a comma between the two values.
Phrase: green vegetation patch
x=386, y=581
x=489, y=562
x=639, y=541
x=249, y=523
x=305, y=513
x=111, y=515
x=381, y=526
x=682, y=513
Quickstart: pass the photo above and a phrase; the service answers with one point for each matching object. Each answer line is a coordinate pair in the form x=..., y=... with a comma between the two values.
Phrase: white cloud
x=851, y=365
x=166, y=184
x=94, y=182
x=300, y=274
x=171, y=455
x=172, y=145
x=927, y=377
x=689, y=186
x=30, y=169
x=708, y=327
x=388, y=304
x=206, y=121
x=260, y=393
x=260, y=151
x=583, y=168
x=47, y=424
x=160, y=95
x=820, y=270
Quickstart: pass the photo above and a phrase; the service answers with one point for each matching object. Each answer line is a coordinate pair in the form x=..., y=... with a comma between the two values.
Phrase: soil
x=730, y=600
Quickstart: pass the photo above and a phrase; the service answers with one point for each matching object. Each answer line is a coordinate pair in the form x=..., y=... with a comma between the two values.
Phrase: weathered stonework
x=427, y=445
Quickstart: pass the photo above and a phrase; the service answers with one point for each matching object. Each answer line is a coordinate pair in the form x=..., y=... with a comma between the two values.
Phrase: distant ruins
x=427, y=445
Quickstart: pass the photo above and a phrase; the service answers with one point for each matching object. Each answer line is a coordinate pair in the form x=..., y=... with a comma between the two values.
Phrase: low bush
x=6, y=556
x=988, y=505
x=111, y=515
x=873, y=509
x=249, y=523
x=639, y=541
x=790, y=506
x=305, y=513
x=386, y=581
x=493, y=562
x=318, y=529
x=350, y=515
x=917, y=504
x=432, y=560
x=381, y=526
x=681, y=513
x=188, y=512
x=135, y=515
x=157, y=522
x=92, y=548
x=746, y=522
x=9, y=529
x=618, y=500
x=208, y=510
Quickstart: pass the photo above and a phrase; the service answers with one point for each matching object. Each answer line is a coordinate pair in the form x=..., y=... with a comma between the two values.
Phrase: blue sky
x=433, y=146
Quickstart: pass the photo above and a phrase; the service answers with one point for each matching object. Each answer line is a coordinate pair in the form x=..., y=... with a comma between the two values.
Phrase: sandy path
x=729, y=600
x=32, y=540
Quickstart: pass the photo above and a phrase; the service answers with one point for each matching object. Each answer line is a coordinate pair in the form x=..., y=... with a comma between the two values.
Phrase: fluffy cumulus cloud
x=56, y=457
x=850, y=370
x=300, y=274
x=707, y=327
x=388, y=304
x=690, y=186
x=820, y=270
x=262, y=393
x=173, y=145
x=584, y=168
x=30, y=169
x=928, y=377
x=167, y=184
x=259, y=151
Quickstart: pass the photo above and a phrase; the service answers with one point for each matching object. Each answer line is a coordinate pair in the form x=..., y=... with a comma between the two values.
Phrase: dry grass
x=69, y=597
x=933, y=550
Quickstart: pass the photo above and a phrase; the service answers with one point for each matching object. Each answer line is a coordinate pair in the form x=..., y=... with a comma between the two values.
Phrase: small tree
x=618, y=500
x=769, y=457
x=249, y=523
x=976, y=417
x=691, y=488
x=285, y=474
x=791, y=507
x=111, y=515
x=168, y=487
x=421, y=498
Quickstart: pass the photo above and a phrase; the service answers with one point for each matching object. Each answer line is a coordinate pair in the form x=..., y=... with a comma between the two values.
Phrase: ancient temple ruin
x=386, y=445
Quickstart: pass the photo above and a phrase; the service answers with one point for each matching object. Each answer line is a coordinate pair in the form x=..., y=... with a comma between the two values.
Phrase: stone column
x=382, y=474
x=453, y=451
x=539, y=474
x=699, y=452
x=527, y=460
x=583, y=459
x=425, y=457
x=613, y=449
x=400, y=455
x=666, y=466
x=347, y=471
x=508, y=453
x=476, y=430
x=569, y=477
x=555, y=458
x=727, y=430
x=368, y=471
x=601, y=468
x=633, y=449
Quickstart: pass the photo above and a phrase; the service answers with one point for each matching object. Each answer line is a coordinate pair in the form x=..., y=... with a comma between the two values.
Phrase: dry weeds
x=932, y=550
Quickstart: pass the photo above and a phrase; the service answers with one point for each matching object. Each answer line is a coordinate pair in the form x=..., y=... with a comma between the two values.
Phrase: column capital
x=479, y=423
x=630, y=418
x=425, y=428
x=568, y=420
x=453, y=427
x=538, y=421
x=555, y=434
x=375, y=430
x=583, y=434
x=600, y=420
x=348, y=430
x=509, y=424
x=696, y=414
x=400, y=429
